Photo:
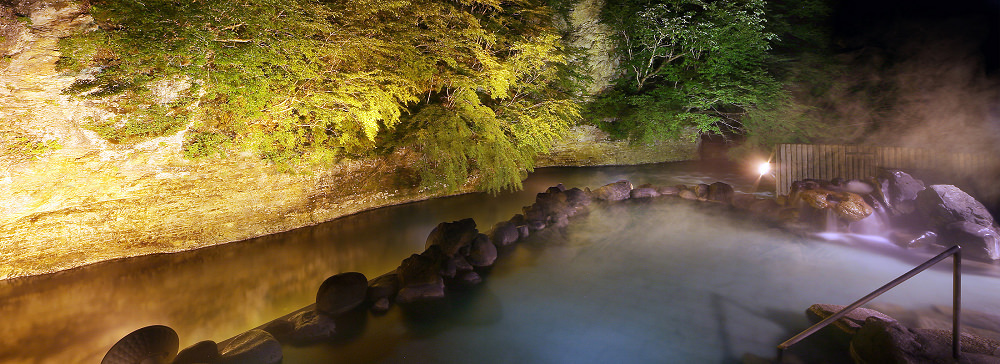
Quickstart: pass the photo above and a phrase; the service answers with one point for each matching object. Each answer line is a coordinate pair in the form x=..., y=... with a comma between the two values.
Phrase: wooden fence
x=795, y=162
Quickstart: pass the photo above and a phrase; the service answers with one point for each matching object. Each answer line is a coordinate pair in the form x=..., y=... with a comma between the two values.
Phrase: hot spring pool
x=661, y=282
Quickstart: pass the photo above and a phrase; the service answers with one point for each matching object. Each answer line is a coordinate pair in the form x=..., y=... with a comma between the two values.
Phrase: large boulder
x=551, y=203
x=889, y=342
x=721, y=192
x=341, y=293
x=419, y=279
x=900, y=189
x=482, y=252
x=979, y=239
x=953, y=212
x=851, y=207
x=504, y=233
x=155, y=344
x=944, y=204
x=252, y=347
x=452, y=236
x=614, y=191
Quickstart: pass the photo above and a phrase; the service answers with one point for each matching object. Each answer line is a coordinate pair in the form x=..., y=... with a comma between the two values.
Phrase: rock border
x=457, y=256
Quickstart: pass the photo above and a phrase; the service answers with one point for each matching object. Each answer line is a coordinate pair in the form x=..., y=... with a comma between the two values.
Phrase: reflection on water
x=666, y=282
x=214, y=293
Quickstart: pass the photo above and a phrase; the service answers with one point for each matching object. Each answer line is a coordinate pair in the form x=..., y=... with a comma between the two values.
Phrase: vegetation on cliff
x=475, y=87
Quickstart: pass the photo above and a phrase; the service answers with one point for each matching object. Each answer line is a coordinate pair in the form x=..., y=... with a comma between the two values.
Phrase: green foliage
x=316, y=81
x=139, y=123
x=686, y=63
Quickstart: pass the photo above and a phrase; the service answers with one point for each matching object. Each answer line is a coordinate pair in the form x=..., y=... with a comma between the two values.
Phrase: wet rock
x=851, y=206
x=461, y=264
x=517, y=220
x=523, y=231
x=557, y=188
x=341, y=293
x=419, y=280
x=383, y=287
x=901, y=189
x=687, y=195
x=482, y=253
x=504, y=233
x=552, y=202
x=534, y=213
x=721, y=192
x=536, y=225
x=577, y=197
x=201, y=352
x=944, y=204
x=614, y=191
x=467, y=279
x=975, y=239
x=849, y=324
x=252, y=347
x=309, y=327
x=816, y=198
x=155, y=344
x=914, y=240
x=701, y=191
x=452, y=236
x=381, y=305
x=279, y=328
x=645, y=192
x=880, y=341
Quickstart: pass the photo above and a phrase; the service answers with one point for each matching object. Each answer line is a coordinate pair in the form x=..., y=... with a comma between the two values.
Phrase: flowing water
x=668, y=281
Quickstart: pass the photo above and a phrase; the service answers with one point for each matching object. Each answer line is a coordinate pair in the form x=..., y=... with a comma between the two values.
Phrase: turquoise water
x=670, y=282
x=662, y=282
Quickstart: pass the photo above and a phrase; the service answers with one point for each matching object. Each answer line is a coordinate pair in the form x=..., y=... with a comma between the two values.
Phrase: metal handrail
x=956, y=349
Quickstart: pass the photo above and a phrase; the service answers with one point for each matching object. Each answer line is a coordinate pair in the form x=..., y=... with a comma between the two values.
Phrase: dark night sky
x=890, y=23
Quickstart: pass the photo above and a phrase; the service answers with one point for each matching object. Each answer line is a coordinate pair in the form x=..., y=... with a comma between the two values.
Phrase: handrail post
x=956, y=306
x=956, y=349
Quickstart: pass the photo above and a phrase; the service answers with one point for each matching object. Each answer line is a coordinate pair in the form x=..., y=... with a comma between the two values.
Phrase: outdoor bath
x=666, y=280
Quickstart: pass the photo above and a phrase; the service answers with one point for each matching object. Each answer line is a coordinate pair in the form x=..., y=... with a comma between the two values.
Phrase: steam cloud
x=923, y=85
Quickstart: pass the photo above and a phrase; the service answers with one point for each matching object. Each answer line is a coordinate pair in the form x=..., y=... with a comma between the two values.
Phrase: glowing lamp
x=764, y=168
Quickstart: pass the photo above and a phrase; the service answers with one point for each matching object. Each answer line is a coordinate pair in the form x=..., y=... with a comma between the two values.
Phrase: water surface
x=214, y=293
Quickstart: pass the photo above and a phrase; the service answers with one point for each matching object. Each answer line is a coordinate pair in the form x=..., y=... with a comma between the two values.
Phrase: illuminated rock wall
x=69, y=198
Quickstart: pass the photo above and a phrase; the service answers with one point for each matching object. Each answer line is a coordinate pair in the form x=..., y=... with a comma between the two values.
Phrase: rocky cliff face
x=588, y=33
x=69, y=198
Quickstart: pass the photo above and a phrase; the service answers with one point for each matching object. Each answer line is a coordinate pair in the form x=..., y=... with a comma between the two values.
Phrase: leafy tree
x=686, y=64
x=477, y=86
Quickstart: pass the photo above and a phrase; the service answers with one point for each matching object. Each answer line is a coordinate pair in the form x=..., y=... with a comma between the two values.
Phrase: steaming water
x=670, y=282
x=659, y=282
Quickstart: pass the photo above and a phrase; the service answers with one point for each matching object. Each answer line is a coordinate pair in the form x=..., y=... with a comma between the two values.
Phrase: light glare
x=764, y=168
